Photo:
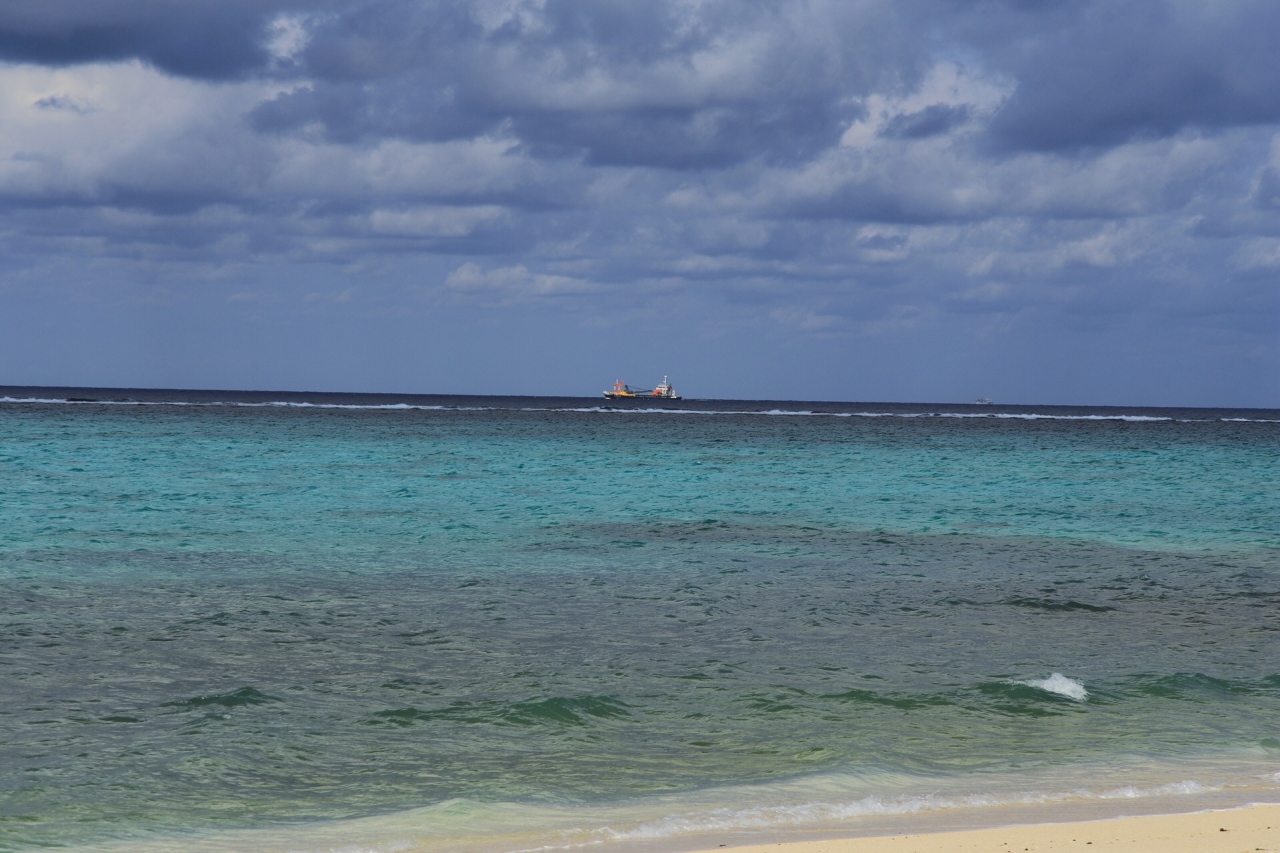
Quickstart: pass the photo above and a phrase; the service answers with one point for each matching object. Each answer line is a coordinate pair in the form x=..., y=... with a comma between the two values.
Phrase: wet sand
x=1253, y=829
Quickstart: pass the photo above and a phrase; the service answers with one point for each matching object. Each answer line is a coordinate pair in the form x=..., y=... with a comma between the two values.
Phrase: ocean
x=321, y=622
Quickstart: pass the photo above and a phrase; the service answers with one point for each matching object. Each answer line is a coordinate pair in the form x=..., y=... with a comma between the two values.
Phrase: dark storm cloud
x=197, y=38
x=930, y=121
x=1102, y=73
x=625, y=83
x=664, y=84
x=690, y=86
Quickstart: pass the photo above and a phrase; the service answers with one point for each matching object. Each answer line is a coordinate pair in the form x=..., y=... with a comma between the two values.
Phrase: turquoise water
x=529, y=624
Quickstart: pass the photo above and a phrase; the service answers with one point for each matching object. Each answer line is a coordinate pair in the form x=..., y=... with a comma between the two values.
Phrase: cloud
x=106, y=133
x=433, y=221
x=805, y=321
x=819, y=165
x=930, y=121
x=1101, y=74
x=1259, y=254
x=667, y=84
x=949, y=179
x=688, y=85
x=514, y=282
x=62, y=102
x=1266, y=184
x=207, y=39
x=286, y=36
x=97, y=140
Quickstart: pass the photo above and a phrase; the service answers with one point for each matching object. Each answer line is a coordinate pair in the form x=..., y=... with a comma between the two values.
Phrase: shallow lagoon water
x=543, y=622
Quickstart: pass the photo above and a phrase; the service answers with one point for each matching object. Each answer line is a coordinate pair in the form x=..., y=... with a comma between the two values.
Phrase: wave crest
x=1059, y=685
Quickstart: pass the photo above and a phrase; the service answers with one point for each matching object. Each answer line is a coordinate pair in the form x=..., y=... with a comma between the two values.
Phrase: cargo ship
x=623, y=391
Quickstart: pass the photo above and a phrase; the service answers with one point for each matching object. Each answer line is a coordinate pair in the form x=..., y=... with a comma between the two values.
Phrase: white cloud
x=805, y=320
x=1257, y=254
x=287, y=36
x=946, y=84
x=433, y=220
x=400, y=169
x=515, y=282
x=147, y=156
x=131, y=128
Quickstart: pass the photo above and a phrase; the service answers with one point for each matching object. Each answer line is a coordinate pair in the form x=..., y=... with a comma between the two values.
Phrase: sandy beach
x=1253, y=829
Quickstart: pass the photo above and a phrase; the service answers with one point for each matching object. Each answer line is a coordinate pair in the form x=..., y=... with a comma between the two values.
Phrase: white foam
x=38, y=400
x=826, y=802
x=241, y=404
x=1033, y=416
x=828, y=813
x=1060, y=685
x=613, y=410
x=390, y=847
x=1130, y=792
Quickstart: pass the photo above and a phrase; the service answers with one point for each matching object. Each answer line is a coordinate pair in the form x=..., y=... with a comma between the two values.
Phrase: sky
x=1070, y=202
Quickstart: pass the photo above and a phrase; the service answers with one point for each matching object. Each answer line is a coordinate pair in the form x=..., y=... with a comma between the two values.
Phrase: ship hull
x=623, y=395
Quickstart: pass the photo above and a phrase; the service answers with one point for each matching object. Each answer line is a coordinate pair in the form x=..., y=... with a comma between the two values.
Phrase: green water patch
x=284, y=617
x=1201, y=688
x=555, y=711
x=245, y=696
x=899, y=701
x=1024, y=700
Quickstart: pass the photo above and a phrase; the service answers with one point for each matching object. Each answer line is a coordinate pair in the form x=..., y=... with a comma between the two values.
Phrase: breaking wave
x=628, y=410
x=1059, y=685
x=818, y=813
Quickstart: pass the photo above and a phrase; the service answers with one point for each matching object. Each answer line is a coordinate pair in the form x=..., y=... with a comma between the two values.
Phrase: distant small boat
x=983, y=401
x=623, y=391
